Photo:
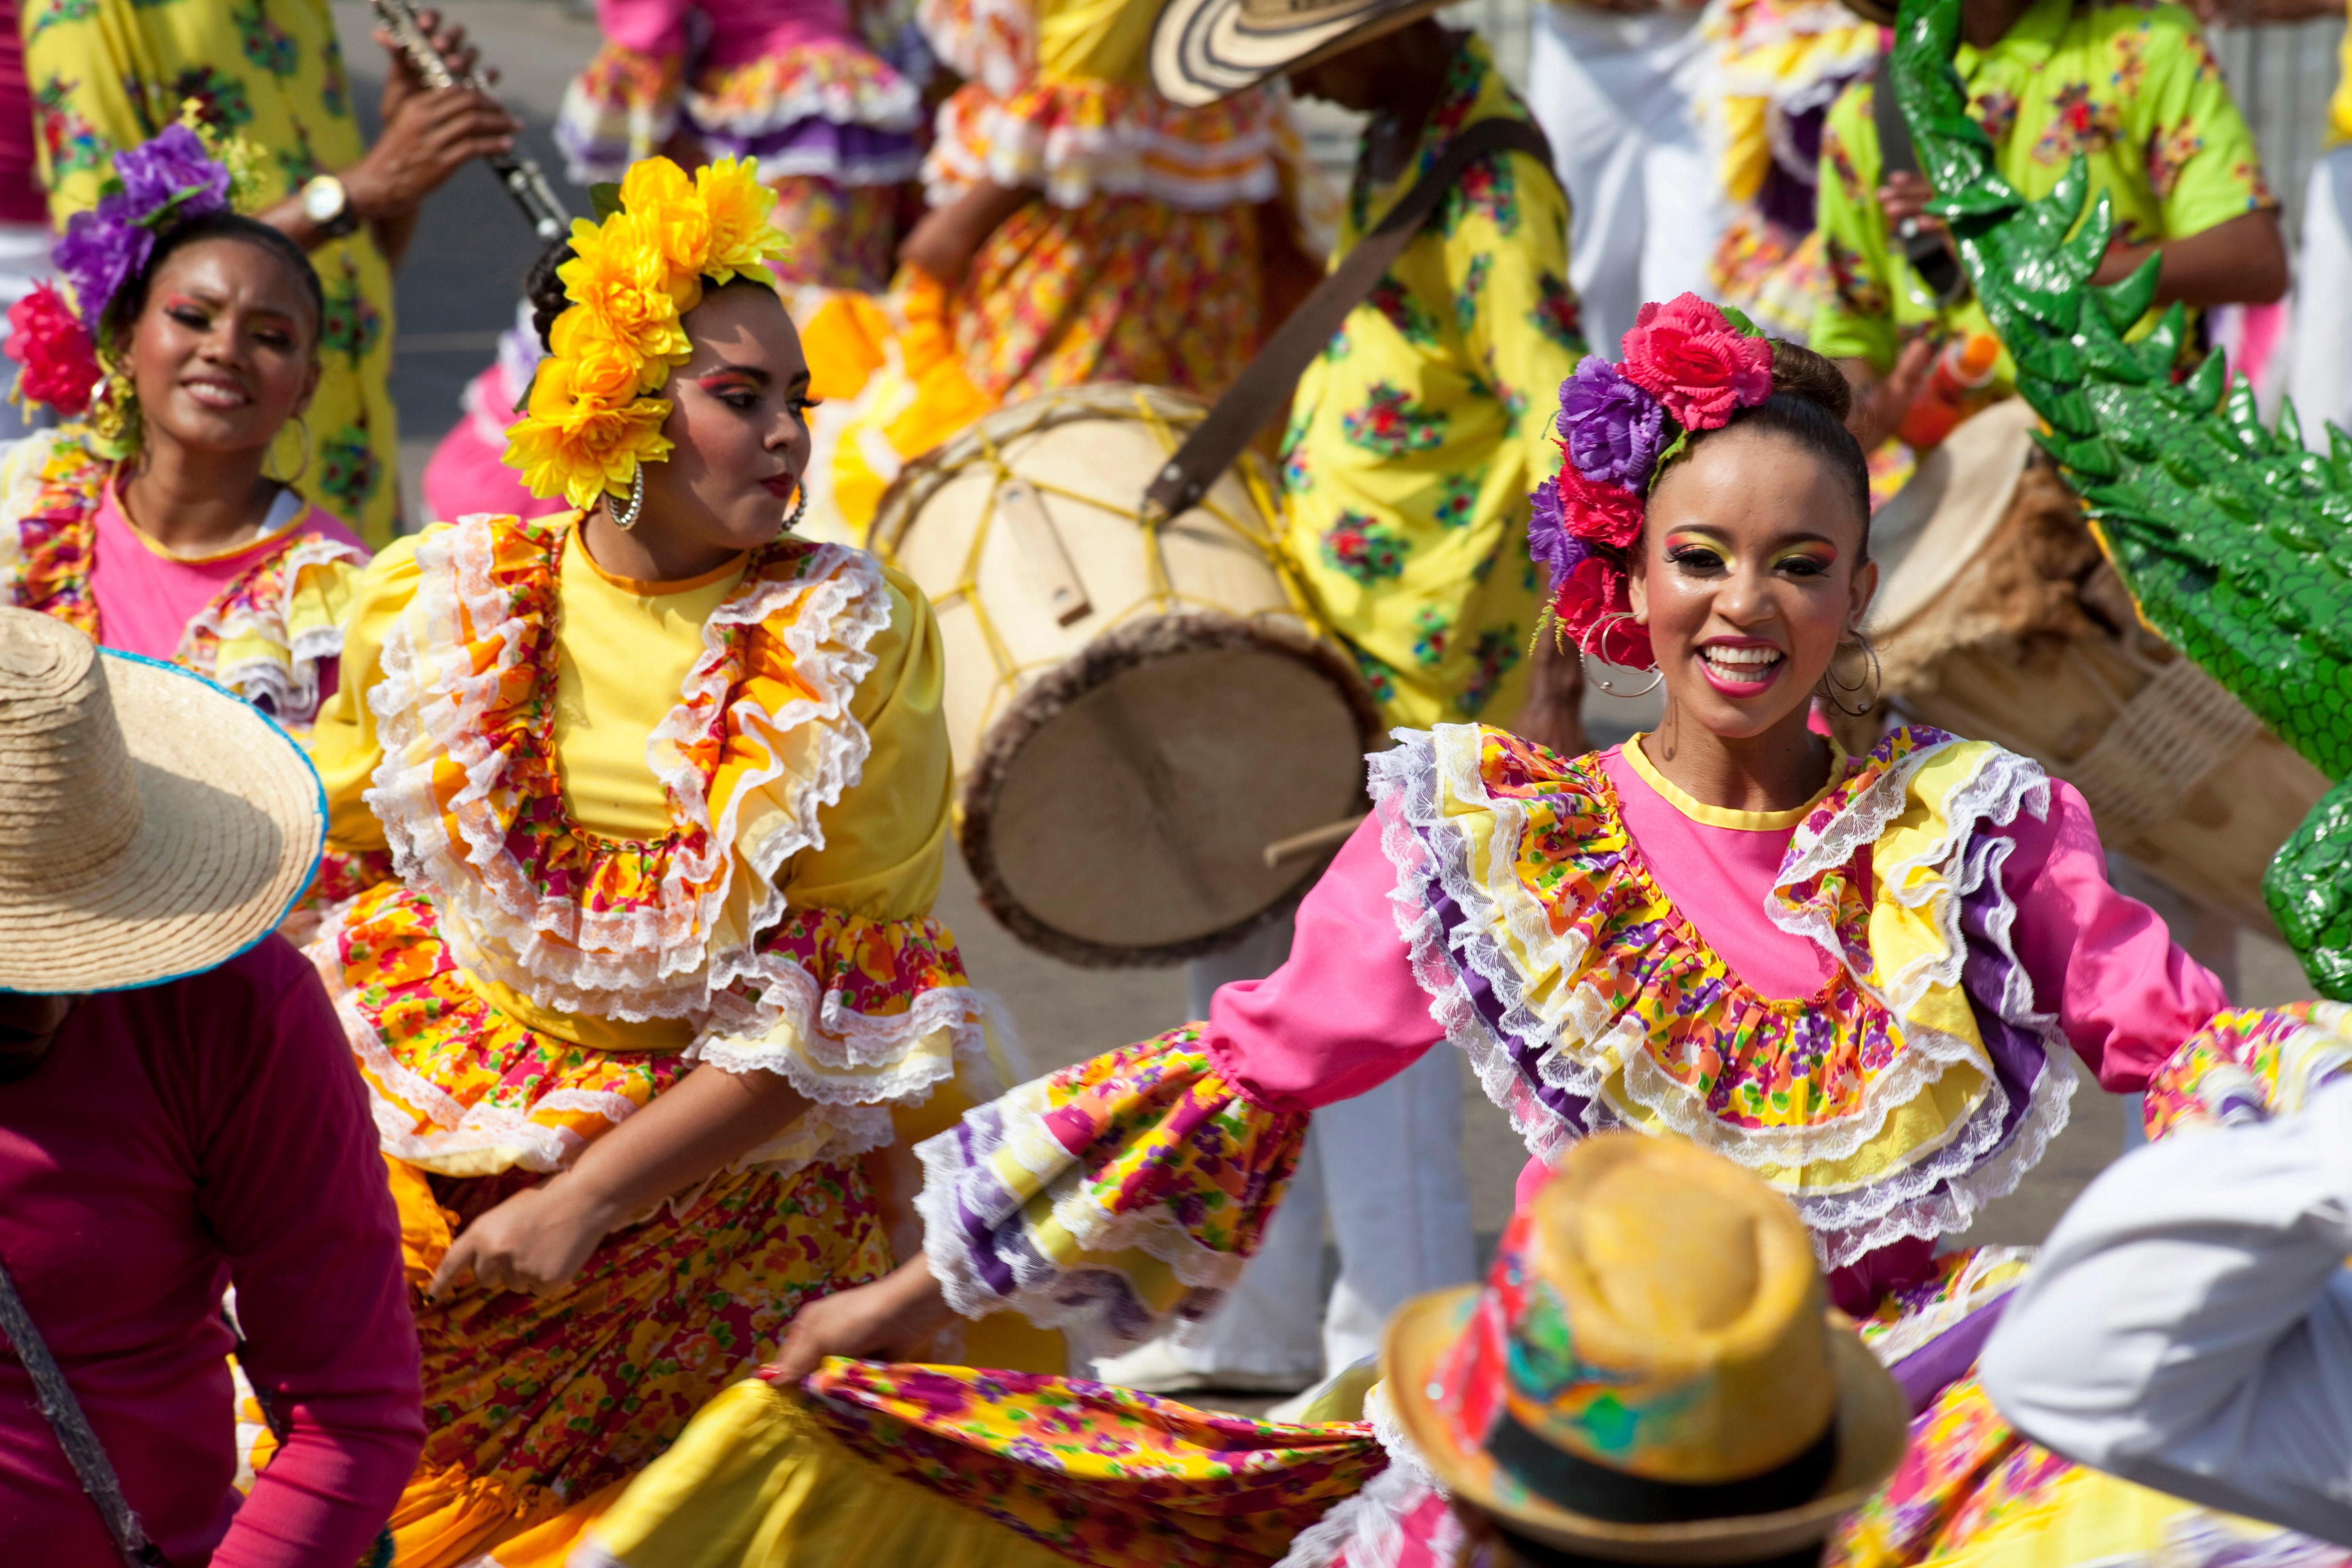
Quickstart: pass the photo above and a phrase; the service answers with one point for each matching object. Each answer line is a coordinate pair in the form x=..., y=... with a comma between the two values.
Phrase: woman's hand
x=534, y=1242
x=1880, y=402
x=404, y=81
x=427, y=139
x=890, y=1320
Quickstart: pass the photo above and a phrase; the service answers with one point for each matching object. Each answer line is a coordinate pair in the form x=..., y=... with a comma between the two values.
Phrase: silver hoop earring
x=1836, y=687
x=636, y=503
x=800, y=508
x=1586, y=655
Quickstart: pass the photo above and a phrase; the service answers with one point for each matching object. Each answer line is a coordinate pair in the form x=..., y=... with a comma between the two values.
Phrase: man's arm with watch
x=428, y=135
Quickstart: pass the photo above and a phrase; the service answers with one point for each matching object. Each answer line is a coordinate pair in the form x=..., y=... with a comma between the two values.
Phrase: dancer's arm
x=2189, y=1324
x=944, y=243
x=536, y=1240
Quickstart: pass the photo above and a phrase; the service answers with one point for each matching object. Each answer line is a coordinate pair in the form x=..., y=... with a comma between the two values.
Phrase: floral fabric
x=266, y=635
x=1416, y=436
x=2250, y=1066
x=537, y=1409
x=2133, y=87
x=110, y=74
x=1127, y=1187
x=1919, y=1085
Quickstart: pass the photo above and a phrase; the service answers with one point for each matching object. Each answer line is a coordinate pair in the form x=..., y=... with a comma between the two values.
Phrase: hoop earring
x=303, y=425
x=800, y=508
x=1835, y=686
x=1586, y=655
x=636, y=503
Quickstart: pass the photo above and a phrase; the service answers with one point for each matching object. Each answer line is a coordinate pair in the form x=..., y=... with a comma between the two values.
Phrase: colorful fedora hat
x=1202, y=50
x=1651, y=1373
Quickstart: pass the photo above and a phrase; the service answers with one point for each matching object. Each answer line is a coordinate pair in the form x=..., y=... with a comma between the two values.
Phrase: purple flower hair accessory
x=169, y=179
x=1612, y=429
x=173, y=167
x=1549, y=540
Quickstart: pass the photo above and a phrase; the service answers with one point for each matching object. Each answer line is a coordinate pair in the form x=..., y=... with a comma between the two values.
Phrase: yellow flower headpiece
x=588, y=424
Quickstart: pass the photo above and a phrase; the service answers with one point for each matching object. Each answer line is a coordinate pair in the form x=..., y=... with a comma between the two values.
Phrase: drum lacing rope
x=2171, y=736
x=1162, y=599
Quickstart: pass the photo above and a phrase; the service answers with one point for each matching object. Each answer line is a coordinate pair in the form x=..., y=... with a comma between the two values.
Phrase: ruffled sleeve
x=1057, y=97
x=274, y=637
x=861, y=999
x=344, y=746
x=624, y=105
x=2125, y=996
x=1127, y=1188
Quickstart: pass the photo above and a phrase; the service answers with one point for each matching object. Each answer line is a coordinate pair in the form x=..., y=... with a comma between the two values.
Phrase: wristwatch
x=328, y=206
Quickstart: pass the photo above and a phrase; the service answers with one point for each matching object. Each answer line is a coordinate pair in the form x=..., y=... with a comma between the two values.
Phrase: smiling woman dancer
x=1858, y=977
x=151, y=523
x=667, y=789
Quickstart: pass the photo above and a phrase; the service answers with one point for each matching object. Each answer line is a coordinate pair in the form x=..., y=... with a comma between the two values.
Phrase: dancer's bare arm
x=537, y=1239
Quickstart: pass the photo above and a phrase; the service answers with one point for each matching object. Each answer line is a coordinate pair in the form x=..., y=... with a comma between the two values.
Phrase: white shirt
x=2188, y=1325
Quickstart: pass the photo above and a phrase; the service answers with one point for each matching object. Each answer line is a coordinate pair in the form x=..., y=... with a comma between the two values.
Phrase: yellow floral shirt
x=1416, y=437
x=109, y=74
x=2132, y=87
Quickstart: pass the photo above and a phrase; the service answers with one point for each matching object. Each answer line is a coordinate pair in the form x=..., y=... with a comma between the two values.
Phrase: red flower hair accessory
x=48, y=339
x=1688, y=366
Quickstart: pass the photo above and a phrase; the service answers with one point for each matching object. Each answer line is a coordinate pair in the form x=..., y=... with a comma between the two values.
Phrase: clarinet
x=516, y=170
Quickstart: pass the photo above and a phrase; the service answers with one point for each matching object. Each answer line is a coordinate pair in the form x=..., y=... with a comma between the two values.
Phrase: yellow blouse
x=623, y=652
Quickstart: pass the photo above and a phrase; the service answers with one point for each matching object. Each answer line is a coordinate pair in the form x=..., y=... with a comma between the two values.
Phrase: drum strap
x=1929, y=253
x=1265, y=385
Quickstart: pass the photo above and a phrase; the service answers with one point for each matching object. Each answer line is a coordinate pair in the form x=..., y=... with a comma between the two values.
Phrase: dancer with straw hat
x=178, y=1114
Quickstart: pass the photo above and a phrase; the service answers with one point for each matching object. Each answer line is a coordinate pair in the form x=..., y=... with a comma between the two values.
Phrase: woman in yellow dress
x=666, y=792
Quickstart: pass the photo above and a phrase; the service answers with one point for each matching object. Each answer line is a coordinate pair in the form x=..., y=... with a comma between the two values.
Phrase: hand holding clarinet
x=436, y=119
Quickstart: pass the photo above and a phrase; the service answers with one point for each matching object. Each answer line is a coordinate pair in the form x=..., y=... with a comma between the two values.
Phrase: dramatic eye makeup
x=734, y=386
x=1813, y=558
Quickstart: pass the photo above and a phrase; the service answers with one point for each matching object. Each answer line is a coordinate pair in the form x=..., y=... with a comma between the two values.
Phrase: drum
x=1137, y=711
x=1997, y=618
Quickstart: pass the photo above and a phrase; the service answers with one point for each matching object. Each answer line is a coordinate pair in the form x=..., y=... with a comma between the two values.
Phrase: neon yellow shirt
x=2135, y=88
x=1416, y=437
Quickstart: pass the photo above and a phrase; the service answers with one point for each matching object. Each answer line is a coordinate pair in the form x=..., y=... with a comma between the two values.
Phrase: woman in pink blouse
x=157, y=520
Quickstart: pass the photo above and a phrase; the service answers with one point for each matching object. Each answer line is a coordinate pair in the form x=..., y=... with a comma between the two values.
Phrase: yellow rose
x=742, y=240
x=584, y=451
x=600, y=367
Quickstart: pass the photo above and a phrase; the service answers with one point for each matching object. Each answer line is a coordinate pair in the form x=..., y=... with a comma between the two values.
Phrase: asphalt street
x=458, y=289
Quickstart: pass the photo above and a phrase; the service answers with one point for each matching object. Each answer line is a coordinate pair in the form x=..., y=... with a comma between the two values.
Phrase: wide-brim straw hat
x=1202, y=50
x=152, y=824
x=1770, y=1385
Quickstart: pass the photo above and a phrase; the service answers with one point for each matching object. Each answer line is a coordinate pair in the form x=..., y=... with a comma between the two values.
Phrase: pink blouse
x=736, y=31
x=147, y=596
x=1345, y=1014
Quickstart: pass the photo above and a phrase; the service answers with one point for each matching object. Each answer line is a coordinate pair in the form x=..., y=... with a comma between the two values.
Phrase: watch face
x=322, y=200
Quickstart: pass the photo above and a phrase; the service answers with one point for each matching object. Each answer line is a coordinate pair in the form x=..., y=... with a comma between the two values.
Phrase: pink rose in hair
x=1595, y=612
x=1598, y=513
x=1688, y=357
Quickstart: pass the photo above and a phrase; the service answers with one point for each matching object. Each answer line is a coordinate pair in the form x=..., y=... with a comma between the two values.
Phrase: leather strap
x=1265, y=386
x=1929, y=253
x=55, y=1397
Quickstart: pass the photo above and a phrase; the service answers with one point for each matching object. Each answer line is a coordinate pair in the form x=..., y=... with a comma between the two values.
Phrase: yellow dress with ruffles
x=638, y=828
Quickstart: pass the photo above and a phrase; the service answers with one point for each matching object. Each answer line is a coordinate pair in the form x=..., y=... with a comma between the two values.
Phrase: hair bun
x=1801, y=372
x=544, y=289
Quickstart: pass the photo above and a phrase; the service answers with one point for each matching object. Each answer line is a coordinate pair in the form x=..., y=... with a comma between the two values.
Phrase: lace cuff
x=624, y=107
x=1078, y=140
x=2250, y=1064
x=1108, y=1194
x=269, y=636
x=860, y=1014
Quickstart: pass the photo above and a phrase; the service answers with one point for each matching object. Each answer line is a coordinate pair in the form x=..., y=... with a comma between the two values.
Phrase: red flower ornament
x=1689, y=355
x=1599, y=512
x=48, y=339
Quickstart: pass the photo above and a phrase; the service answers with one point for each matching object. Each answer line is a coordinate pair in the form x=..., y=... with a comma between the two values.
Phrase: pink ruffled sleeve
x=1133, y=1186
x=1344, y=1015
x=2125, y=996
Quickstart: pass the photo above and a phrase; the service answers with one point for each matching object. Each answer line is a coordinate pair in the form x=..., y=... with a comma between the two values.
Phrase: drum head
x=1120, y=813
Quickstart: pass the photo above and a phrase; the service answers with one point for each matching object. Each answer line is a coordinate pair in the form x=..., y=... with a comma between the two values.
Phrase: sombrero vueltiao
x=1651, y=1373
x=1202, y=50
x=152, y=824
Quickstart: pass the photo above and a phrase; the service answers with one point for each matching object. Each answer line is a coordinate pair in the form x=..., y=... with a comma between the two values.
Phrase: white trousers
x=1617, y=96
x=1385, y=1168
x=2319, y=377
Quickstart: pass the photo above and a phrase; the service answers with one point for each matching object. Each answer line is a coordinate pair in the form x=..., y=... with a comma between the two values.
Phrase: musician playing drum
x=273, y=75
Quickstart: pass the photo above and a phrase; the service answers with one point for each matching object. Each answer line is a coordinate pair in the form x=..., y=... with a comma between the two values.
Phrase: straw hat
x=1651, y=1373
x=1202, y=50
x=151, y=826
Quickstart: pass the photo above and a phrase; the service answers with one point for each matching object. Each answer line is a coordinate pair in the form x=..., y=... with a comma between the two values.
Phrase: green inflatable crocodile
x=2235, y=540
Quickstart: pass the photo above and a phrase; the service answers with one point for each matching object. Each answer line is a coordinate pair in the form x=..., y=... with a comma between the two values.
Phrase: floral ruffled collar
x=761, y=741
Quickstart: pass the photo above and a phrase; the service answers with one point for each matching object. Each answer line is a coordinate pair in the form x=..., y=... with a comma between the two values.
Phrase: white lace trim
x=856, y=90
x=288, y=685
x=1589, y=1041
x=1367, y=1530
x=1133, y=152
x=1049, y=1294
x=829, y=1054
x=667, y=959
